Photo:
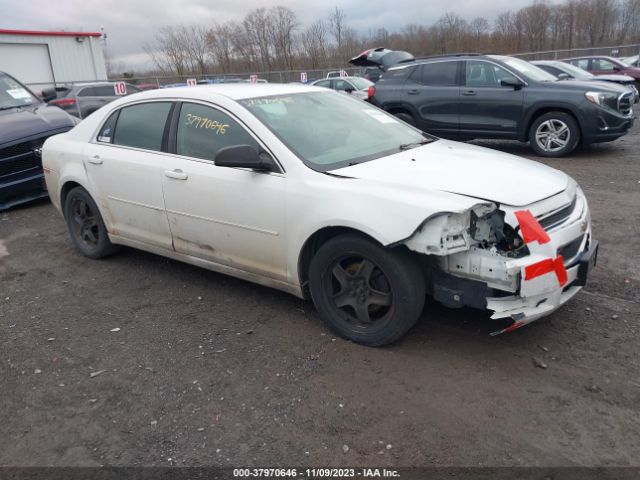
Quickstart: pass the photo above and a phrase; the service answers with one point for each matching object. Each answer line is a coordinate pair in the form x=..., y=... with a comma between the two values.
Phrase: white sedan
x=325, y=197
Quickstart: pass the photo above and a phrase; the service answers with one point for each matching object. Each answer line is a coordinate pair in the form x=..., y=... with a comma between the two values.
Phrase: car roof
x=591, y=56
x=233, y=91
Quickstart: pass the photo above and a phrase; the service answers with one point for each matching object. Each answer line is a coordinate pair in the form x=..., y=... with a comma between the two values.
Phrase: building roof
x=47, y=33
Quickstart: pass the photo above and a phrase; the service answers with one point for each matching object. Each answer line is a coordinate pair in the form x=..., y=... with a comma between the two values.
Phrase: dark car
x=605, y=66
x=82, y=99
x=25, y=123
x=491, y=96
x=372, y=74
x=567, y=71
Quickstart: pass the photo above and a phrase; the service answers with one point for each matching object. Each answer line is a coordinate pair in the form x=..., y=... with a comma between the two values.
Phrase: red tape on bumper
x=547, y=266
x=531, y=230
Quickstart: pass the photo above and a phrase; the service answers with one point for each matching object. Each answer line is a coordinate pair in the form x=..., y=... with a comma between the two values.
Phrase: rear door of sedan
x=231, y=216
x=125, y=165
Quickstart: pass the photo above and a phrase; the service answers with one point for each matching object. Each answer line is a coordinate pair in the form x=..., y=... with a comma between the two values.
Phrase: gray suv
x=492, y=96
x=83, y=99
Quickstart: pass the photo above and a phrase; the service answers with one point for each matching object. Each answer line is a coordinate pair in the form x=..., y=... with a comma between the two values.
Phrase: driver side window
x=202, y=131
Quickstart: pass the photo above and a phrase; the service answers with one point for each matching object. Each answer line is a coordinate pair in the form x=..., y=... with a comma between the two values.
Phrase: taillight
x=371, y=91
x=63, y=102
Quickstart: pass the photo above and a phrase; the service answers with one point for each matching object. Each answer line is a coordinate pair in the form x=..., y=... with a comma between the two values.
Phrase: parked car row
x=492, y=96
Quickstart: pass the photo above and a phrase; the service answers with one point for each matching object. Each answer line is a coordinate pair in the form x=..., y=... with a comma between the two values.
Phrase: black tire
x=86, y=228
x=366, y=293
x=554, y=134
x=406, y=118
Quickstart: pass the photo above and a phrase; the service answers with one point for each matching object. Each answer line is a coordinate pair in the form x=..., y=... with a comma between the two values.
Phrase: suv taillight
x=63, y=102
x=370, y=92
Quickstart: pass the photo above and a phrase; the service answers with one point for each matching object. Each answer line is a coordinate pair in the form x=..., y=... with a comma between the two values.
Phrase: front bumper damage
x=552, y=265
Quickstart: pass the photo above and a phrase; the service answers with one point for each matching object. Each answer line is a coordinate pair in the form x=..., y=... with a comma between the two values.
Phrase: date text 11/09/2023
x=313, y=473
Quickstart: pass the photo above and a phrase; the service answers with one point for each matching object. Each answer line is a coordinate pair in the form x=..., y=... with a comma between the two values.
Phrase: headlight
x=604, y=99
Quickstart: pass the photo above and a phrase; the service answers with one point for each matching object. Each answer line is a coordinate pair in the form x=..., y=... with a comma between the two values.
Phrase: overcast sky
x=131, y=23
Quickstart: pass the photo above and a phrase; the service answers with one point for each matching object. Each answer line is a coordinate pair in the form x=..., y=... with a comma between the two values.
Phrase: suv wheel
x=406, y=118
x=365, y=292
x=554, y=134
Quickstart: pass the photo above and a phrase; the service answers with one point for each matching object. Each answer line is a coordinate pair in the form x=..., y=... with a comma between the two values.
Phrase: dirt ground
x=209, y=370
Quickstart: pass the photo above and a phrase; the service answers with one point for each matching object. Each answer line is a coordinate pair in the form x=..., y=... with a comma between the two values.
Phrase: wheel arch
x=540, y=110
x=313, y=244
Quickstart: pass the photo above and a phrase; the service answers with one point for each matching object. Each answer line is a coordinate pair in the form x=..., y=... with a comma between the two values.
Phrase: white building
x=41, y=59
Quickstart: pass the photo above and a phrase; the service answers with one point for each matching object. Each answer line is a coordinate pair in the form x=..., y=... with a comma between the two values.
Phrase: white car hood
x=466, y=170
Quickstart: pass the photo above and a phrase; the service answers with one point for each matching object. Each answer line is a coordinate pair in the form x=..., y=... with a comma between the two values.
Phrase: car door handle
x=176, y=174
x=469, y=93
x=95, y=159
x=413, y=92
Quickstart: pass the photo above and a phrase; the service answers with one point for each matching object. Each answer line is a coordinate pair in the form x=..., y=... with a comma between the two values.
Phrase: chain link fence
x=613, y=51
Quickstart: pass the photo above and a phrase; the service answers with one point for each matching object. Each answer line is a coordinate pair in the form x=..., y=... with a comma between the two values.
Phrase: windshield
x=575, y=72
x=528, y=70
x=13, y=94
x=361, y=83
x=328, y=130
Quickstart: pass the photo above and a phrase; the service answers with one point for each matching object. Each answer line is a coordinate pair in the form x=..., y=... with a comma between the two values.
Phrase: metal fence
x=283, y=76
x=612, y=51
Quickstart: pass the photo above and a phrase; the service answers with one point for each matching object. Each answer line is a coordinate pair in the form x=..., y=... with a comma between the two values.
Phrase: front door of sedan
x=433, y=92
x=486, y=107
x=231, y=216
x=125, y=168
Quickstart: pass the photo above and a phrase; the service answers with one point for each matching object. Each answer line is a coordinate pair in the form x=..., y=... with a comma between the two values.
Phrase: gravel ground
x=140, y=360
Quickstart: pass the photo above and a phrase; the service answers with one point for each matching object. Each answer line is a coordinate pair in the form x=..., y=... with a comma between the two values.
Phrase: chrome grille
x=20, y=159
x=625, y=103
x=550, y=220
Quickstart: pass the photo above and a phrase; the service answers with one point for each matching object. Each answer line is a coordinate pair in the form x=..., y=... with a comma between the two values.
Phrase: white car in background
x=325, y=197
x=357, y=86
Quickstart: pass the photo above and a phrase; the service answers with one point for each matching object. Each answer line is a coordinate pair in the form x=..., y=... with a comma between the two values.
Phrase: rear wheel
x=406, y=117
x=554, y=134
x=364, y=292
x=86, y=228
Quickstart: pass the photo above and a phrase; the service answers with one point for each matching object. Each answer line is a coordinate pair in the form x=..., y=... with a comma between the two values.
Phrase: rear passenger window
x=105, y=134
x=398, y=73
x=437, y=74
x=87, y=92
x=142, y=126
x=324, y=83
x=105, y=91
x=202, y=131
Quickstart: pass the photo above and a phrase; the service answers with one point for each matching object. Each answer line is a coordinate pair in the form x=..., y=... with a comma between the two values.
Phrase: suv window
x=142, y=125
x=106, y=91
x=87, y=92
x=484, y=74
x=437, y=74
x=398, y=73
x=202, y=131
x=602, y=64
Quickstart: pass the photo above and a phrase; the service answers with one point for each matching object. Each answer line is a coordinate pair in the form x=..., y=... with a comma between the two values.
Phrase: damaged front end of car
x=503, y=259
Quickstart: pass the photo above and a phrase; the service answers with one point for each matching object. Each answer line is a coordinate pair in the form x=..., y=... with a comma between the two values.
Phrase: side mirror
x=616, y=68
x=349, y=90
x=564, y=76
x=512, y=82
x=244, y=156
x=49, y=94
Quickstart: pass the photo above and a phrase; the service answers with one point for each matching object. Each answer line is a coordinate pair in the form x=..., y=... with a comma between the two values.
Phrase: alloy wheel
x=553, y=135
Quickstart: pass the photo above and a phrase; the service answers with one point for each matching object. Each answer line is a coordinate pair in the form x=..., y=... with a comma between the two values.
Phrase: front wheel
x=554, y=134
x=86, y=227
x=364, y=292
x=406, y=118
